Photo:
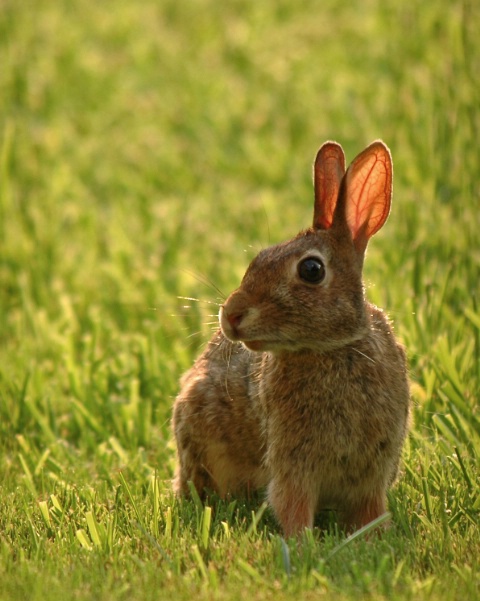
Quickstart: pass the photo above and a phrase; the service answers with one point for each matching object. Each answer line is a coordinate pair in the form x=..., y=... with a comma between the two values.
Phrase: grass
x=147, y=151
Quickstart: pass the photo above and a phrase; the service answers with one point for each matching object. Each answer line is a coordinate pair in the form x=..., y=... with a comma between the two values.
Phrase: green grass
x=147, y=151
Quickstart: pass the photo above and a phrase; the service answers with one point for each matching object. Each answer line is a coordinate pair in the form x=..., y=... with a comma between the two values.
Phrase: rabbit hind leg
x=213, y=470
x=191, y=469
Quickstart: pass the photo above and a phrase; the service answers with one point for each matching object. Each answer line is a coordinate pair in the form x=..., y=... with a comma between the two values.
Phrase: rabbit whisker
x=363, y=354
x=194, y=335
x=198, y=300
x=206, y=281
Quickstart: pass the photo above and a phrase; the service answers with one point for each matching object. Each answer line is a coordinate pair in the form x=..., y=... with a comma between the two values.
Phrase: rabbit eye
x=311, y=270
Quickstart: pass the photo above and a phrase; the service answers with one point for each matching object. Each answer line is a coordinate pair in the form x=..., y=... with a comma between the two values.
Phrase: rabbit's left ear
x=366, y=193
x=329, y=169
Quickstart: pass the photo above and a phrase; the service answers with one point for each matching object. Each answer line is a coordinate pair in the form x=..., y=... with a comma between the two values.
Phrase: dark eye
x=311, y=270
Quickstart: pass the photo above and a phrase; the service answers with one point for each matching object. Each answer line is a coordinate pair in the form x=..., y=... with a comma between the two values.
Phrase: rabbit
x=303, y=391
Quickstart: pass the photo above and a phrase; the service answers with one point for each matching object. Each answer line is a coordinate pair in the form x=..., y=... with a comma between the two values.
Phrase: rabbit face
x=303, y=294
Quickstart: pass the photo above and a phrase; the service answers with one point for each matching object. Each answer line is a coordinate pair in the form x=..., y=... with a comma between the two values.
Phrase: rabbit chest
x=332, y=419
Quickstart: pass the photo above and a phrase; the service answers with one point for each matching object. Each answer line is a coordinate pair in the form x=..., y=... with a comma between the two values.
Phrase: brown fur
x=304, y=389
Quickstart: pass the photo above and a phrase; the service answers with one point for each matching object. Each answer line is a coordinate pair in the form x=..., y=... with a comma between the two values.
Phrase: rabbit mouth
x=255, y=345
x=260, y=346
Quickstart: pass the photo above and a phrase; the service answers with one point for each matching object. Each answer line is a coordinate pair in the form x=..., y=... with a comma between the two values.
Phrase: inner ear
x=366, y=193
x=329, y=168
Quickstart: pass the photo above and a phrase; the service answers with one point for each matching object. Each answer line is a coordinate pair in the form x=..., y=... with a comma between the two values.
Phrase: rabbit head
x=307, y=293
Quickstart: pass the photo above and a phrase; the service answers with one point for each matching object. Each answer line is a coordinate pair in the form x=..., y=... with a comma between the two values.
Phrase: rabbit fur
x=303, y=390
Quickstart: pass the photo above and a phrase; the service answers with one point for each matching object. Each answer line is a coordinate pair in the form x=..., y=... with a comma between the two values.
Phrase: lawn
x=147, y=152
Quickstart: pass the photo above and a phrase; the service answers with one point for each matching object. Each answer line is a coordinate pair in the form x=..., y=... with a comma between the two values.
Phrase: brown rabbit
x=304, y=389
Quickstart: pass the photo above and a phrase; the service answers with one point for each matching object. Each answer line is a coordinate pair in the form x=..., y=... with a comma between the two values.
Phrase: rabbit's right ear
x=366, y=194
x=329, y=169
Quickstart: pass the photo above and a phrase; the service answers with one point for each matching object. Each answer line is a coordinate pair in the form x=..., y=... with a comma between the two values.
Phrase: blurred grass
x=147, y=152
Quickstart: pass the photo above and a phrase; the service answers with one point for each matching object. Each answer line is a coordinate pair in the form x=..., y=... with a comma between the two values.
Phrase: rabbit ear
x=329, y=169
x=366, y=193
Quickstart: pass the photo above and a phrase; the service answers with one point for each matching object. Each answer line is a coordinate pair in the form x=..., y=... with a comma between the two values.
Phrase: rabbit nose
x=235, y=319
